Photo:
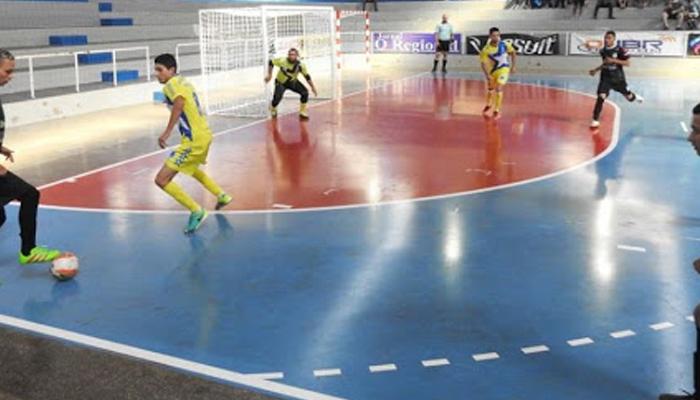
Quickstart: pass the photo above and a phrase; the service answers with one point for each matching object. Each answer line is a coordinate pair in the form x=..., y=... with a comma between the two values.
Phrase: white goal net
x=238, y=43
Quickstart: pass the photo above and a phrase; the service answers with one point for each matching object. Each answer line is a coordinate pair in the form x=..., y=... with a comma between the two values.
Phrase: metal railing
x=31, y=58
x=183, y=45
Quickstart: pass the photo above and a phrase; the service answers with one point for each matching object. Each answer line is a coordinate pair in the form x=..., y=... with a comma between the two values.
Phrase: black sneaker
x=686, y=396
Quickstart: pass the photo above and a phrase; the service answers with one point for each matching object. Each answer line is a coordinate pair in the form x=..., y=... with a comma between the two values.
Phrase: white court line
x=611, y=147
x=623, y=334
x=281, y=206
x=631, y=248
x=141, y=171
x=437, y=362
x=382, y=368
x=485, y=357
x=268, y=375
x=661, y=326
x=535, y=349
x=322, y=373
x=685, y=127
x=690, y=318
x=694, y=239
x=580, y=342
x=163, y=359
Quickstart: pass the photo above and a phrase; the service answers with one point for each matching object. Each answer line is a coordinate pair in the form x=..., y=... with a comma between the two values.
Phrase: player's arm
x=595, y=70
x=623, y=58
x=270, y=68
x=512, y=54
x=175, y=112
x=483, y=59
x=307, y=76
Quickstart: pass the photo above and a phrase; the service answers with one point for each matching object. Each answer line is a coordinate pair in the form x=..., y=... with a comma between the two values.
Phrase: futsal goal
x=238, y=43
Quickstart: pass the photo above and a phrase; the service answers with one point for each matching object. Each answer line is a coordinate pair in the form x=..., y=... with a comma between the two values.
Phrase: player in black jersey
x=612, y=75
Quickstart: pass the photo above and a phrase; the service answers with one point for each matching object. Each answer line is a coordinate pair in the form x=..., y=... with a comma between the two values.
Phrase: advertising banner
x=637, y=43
x=410, y=42
x=694, y=44
x=529, y=45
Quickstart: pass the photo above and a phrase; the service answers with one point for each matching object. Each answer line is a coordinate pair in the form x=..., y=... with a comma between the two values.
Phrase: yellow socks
x=303, y=109
x=207, y=182
x=489, y=97
x=499, y=100
x=176, y=192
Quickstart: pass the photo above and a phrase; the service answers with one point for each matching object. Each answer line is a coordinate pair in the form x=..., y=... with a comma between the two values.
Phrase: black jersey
x=2, y=124
x=613, y=72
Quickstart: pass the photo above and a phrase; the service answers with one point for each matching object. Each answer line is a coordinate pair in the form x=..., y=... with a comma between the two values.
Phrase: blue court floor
x=573, y=287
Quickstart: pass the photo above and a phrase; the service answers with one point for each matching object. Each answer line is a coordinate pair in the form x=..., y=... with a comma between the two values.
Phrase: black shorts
x=444, y=46
x=618, y=85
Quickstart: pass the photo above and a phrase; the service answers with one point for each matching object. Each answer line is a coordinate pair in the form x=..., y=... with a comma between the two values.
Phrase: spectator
x=674, y=10
x=560, y=4
x=694, y=139
x=692, y=14
x=604, y=4
x=578, y=8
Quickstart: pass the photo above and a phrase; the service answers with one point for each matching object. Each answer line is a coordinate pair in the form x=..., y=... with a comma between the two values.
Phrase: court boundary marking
x=611, y=147
x=250, y=381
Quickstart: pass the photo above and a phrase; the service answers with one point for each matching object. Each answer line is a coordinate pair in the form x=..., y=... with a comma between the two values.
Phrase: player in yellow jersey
x=287, y=79
x=196, y=138
x=497, y=62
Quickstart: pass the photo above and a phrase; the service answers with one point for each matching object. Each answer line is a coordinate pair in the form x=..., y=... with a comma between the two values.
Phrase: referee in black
x=444, y=36
x=612, y=75
x=13, y=187
x=694, y=139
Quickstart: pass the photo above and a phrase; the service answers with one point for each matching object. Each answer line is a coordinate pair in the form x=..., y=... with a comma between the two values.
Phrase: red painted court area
x=410, y=139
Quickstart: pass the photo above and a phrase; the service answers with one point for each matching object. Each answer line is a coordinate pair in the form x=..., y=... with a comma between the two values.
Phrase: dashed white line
x=485, y=357
x=141, y=171
x=382, y=368
x=437, y=362
x=322, y=373
x=580, y=342
x=623, y=334
x=690, y=318
x=268, y=375
x=631, y=248
x=685, y=127
x=661, y=326
x=281, y=206
x=694, y=239
x=535, y=349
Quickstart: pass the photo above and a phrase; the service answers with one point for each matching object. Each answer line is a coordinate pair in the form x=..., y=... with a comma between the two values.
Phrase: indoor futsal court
x=399, y=243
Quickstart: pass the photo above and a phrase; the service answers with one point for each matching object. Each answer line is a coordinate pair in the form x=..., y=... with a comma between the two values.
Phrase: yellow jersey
x=497, y=55
x=289, y=71
x=193, y=123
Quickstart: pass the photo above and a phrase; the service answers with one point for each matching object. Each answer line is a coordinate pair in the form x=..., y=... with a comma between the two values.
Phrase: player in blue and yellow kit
x=497, y=67
x=196, y=138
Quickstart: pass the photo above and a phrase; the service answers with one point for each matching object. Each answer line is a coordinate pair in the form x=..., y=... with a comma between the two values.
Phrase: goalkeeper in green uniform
x=289, y=69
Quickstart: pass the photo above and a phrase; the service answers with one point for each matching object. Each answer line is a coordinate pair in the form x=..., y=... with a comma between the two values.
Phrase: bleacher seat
x=123, y=75
x=68, y=40
x=94, y=58
x=116, y=21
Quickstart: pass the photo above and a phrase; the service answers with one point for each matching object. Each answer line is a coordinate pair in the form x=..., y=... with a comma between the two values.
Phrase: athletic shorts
x=443, y=46
x=187, y=157
x=500, y=76
x=619, y=86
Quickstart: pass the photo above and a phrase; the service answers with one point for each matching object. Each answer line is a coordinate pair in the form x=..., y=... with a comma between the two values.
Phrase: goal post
x=238, y=43
x=353, y=38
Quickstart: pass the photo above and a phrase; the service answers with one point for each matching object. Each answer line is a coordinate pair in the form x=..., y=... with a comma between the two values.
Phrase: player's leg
x=14, y=187
x=299, y=88
x=501, y=79
x=164, y=180
x=664, y=19
x=696, y=366
x=438, y=54
x=622, y=88
x=277, y=98
x=603, y=92
x=444, y=60
x=490, y=95
x=222, y=198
